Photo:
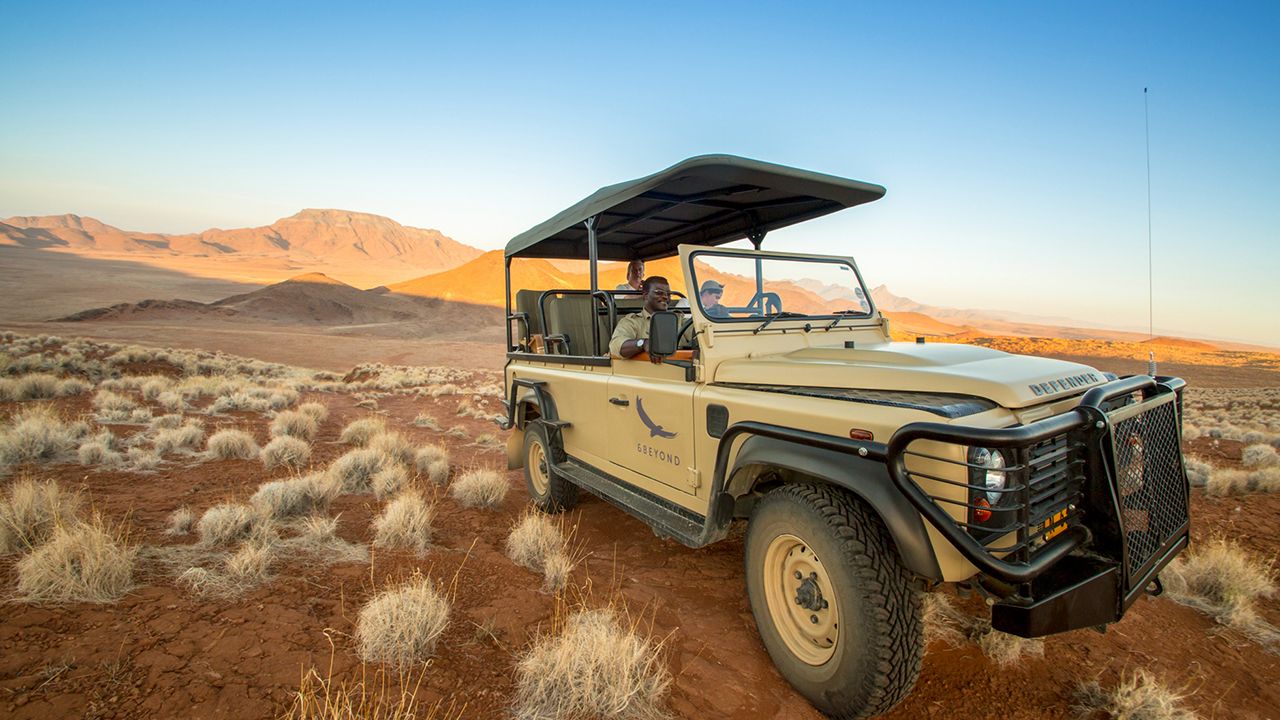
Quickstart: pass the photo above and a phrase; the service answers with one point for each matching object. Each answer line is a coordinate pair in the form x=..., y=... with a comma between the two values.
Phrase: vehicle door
x=650, y=420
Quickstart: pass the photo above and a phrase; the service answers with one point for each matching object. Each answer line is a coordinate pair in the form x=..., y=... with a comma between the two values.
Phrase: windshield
x=733, y=286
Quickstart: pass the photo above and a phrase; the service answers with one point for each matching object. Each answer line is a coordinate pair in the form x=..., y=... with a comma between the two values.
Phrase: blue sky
x=1009, y=135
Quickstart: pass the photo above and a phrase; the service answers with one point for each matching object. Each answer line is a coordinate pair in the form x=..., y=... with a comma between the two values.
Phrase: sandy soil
x=162, y=652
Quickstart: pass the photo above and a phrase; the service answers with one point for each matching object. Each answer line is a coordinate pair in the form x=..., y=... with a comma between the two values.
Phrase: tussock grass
x=489, y=441
x=1198, y=472
x=360, y=432
x=388, y=481
x=230, y=523
x=945, y=623
x=480, y=488
x=406, y=522
x=99, y=454
x=34, y=386
x=354, y=470
x=180, y=521
x=324, y=698
x=295, y=424
x=186, y=438
x=1138, y=696
x=142, y=460
x=393, y=446
x=597, y=665
x=1226, y=481
x=1224, y=581
x=250, y=564
x=37, y=434
x=86, y=562
x=172, y=421
x=317, y=536
x=295, y=497
x=432, y=462
x=286, y=451
x=535, y=542
x=316, y=410
x=400, y=626
x=32, y=510
x=457, y=432
x=423, y=420
x=73, y=386
x=1259, y=455
x=114, y=408
x=232, y=445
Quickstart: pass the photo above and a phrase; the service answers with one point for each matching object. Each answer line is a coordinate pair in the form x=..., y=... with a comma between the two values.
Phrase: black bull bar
x=1095, y=504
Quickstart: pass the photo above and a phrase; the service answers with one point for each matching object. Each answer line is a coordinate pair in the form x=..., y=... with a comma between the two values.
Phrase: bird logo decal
x=655, y=430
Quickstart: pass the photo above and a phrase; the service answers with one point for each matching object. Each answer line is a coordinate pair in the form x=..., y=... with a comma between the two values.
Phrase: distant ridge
x=311, y=236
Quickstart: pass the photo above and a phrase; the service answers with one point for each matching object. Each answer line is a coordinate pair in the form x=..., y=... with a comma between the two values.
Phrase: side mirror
x=663, y=328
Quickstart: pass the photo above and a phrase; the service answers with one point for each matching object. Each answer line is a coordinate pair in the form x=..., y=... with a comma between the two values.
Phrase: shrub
x=536, y=543
x=229, y=523
x=596, y=667
x=480, y=488
x=406, y=522
x=360, y=432
x=354, y=470
x=1259, y=456
x=1138, y=697
x=388, y=481
x=31, y=511
x=287, y=451
x=187, y=438
x=232, y=445
x=295, y=424
x=317, y=411
x=295, y=496
x=394, y=447
x=180, y=521
x=36, y=434
x=400, y=626
x=80, y=563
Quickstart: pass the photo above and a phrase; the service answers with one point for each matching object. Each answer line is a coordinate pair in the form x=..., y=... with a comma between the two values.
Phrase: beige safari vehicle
x=868, y=471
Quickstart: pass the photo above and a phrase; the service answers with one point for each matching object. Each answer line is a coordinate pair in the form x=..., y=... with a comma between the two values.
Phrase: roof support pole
x=756, y=236
x=593, y=255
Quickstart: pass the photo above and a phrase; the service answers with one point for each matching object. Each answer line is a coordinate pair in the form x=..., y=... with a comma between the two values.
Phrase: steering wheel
x=772, y=303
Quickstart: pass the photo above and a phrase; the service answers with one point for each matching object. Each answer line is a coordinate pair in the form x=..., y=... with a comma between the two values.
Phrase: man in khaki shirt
x=633, y=330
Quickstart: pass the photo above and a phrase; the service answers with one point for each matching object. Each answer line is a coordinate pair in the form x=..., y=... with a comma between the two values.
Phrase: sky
x=1011, y=136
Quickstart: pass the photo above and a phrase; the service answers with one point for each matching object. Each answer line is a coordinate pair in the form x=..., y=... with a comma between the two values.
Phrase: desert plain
x=268, y=441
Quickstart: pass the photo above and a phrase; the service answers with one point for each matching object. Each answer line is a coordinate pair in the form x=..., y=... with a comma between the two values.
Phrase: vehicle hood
x=1012, y=381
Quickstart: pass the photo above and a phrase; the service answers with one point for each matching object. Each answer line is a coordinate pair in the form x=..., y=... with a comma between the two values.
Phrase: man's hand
x=656, y=359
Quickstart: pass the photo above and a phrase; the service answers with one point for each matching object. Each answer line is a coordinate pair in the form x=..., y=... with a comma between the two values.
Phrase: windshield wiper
x=775, y=316
x=842, y=313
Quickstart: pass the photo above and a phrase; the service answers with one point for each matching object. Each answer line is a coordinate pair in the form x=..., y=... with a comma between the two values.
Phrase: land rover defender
x=869, y=471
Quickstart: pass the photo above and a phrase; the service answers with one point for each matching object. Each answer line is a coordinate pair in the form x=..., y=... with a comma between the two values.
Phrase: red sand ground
x=162, y=652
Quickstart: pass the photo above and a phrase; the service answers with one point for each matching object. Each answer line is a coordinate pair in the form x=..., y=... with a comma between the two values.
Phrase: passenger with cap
x=710, y=294
x=635, y=273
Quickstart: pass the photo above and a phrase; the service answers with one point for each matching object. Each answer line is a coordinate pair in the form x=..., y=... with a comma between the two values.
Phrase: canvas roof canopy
x=705, y=200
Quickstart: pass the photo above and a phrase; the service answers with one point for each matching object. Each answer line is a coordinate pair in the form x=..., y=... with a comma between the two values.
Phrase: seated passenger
x=710, y=297
x=633, y=330
x=635, y=271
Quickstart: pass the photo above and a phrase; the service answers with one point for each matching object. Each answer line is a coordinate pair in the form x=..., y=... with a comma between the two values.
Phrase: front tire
x=549, y=492
x=832, y=601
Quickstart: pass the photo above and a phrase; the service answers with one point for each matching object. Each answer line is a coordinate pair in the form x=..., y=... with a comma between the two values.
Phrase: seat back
x=571, y=317
x=527, y=303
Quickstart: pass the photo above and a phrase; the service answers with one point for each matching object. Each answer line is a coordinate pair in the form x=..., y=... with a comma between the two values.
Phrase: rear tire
x=550, y=492
x=832, y=601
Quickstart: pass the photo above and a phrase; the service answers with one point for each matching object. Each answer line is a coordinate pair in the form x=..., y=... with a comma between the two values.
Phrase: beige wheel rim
x=801, y=600
x=539, y=473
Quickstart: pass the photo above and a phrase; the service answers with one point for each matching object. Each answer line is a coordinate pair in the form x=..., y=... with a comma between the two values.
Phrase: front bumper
x=1097, y=504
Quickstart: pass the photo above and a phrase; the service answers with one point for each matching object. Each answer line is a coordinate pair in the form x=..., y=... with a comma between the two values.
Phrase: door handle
x=620, y=402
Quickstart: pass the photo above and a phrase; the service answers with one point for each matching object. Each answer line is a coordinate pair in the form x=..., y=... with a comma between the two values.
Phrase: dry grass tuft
x=31, y=511
x=360, y=432
x=480, y=488
x=596, y=667
x=295, y=424
x=432, y=462
x=321, y=698
x=400, y=626
x=229, y=523
x=943, y=622
x=36, y=434
x=249, y=565
x=34, y=386
x=317, y=536
x=180, y=521
x=538, y=544
x=318, y=411
x=388, y=481
x=1138, y=697
x=406, y=522
x=295, y=497
x=354, y=471
x=1259, y=455
x=1004, y=649
x=286, y=451
x=140, y=460
x=95, y=453
x=186, y=438
x=424, y=420
x=1223, y=580
x=113, y=407
x=232, y=445
x=394, y=447
x=86, y=562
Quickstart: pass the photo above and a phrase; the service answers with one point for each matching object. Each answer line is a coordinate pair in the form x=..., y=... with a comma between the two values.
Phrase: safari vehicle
x=868, y=470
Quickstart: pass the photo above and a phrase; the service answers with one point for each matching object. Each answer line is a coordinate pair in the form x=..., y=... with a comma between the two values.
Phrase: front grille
x=1150, y=481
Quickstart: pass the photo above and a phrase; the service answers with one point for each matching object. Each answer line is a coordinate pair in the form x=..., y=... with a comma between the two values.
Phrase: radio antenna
x=1151, y=327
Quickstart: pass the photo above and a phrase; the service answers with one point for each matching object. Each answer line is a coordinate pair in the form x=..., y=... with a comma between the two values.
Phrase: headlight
x=990, y=472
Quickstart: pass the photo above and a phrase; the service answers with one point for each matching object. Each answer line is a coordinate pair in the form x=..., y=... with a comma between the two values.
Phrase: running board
x=666, y=518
